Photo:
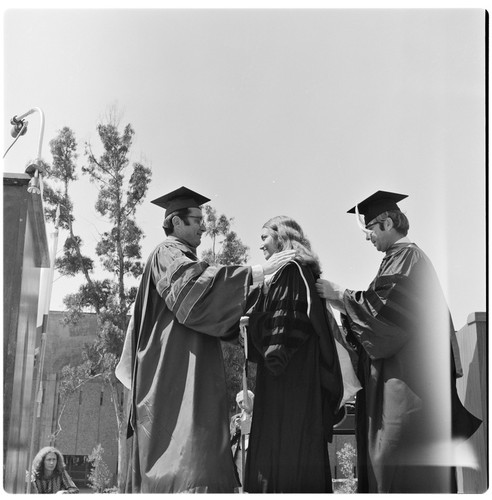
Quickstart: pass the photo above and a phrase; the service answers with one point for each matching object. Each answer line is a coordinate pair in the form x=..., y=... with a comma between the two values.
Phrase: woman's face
x=50, y=462
x=269, y=246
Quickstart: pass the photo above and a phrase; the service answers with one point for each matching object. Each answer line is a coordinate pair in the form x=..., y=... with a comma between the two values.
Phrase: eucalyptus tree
x=227, y=249
x=121, y=187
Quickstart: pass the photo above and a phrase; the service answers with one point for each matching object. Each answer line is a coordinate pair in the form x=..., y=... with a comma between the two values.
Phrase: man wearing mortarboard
x=172, y=359
x=408, y=415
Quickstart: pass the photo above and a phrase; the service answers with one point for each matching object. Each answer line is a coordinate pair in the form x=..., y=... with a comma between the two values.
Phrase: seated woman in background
x=298, y=383
x=49, y=474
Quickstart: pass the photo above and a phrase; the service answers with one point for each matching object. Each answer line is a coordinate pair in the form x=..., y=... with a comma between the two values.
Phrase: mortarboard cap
x=180, y=198
x=376, y=204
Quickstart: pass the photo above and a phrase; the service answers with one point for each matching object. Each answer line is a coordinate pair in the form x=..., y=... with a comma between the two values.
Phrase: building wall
x=88, y=417
x=89, y=420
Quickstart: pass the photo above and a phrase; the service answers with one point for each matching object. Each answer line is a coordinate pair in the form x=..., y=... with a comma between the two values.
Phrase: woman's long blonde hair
x=288, y=234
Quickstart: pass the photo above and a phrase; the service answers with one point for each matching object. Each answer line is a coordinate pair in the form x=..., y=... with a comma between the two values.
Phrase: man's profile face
x=191, y=233
x=380, y=238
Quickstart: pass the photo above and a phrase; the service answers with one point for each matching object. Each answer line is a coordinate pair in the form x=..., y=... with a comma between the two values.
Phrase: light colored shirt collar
x=405, y=239
x=175, y=238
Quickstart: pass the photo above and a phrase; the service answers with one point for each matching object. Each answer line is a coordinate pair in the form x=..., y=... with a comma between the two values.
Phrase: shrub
x=346, y=458
x=100, y=476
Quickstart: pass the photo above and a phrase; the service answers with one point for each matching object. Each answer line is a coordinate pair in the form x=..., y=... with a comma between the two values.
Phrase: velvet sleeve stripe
x=398, y=307
x=389, y=281
x=284, y=325
x=295, y=304
x=399, y=301
x=286, y=321
x=376, y=298
x=286, y=329
x=181, y=280
x=387, y=289
x=292, y=340
x=393, y=313
x=193, y=294
x=308, y=293
x=181, y=269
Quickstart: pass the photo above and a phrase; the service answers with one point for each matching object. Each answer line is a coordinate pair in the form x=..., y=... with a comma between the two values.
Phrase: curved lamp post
x=34, y=169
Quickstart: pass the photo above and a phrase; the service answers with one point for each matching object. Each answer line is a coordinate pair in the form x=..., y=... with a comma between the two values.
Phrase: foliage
x=228, y=251
x=64, y=152
x=113, y=489
x=232, y=250
x=346, y=457
x=100, y=476
x=121, y=189
x=118, y=249
x=233, y=362
x=71, y=379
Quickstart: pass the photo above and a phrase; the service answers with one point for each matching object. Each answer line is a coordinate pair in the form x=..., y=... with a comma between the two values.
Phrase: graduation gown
x=178, y=417
x=298, y=387
x=408, y=410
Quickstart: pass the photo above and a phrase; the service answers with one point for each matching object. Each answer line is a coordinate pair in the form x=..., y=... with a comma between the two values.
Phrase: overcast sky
x=274, y=112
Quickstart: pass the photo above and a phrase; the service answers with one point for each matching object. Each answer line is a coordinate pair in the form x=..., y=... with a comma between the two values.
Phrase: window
x=79, y=468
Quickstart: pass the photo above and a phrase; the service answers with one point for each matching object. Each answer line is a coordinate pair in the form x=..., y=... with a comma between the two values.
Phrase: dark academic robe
x=298, y=387
x=179, y=418
x=408, y=410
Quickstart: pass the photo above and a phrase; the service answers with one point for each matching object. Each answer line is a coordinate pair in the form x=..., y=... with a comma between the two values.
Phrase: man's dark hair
x=168, y=225
x=400, y=221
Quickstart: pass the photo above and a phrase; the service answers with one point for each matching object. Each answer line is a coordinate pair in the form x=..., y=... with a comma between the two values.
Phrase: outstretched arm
x=332, y=292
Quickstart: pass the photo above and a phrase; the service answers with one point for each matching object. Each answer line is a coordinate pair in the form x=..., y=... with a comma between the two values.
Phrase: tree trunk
x=122, y=458
x=122, y=422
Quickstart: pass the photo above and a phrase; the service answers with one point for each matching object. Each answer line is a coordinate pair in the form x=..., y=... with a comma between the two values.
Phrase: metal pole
x=248, y=403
